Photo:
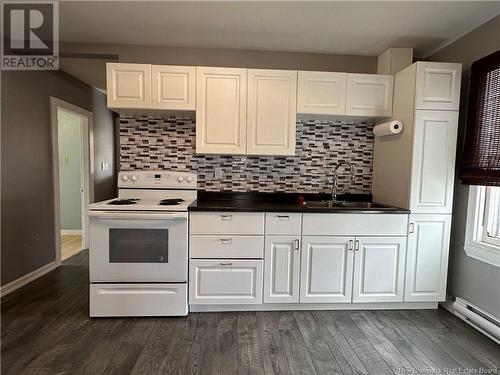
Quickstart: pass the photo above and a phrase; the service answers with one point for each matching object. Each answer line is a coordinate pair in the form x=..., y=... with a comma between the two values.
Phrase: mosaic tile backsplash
x=151, y=143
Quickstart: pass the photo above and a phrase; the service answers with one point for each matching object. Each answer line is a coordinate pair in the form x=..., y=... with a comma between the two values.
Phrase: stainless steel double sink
x=348, y=205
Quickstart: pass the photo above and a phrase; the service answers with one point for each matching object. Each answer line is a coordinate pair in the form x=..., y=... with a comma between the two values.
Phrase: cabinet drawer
x=138, y=299
x=226, y=246
x=278, y=223
x=227, y=223
x=355, y=224
x=225, y=282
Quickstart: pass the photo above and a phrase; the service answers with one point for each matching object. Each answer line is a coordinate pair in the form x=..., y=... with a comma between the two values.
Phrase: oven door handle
x=137, y=215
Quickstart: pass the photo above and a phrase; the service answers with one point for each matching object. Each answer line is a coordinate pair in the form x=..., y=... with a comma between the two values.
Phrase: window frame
x=475, y=246
x=487, y=238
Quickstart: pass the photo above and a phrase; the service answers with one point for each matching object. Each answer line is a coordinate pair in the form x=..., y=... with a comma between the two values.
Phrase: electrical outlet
x=218, y=172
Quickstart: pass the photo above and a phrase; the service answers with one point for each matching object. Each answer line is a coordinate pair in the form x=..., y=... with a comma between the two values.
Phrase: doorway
x=72, y=154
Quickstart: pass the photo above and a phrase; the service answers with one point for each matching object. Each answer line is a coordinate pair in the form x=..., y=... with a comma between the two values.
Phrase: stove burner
x=170, y=202
x=123, y=201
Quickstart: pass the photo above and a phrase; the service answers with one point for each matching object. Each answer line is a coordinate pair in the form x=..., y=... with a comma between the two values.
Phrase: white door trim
x=88, y=168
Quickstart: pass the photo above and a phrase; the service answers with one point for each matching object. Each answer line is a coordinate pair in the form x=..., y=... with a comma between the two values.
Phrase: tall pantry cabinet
x=416, y=168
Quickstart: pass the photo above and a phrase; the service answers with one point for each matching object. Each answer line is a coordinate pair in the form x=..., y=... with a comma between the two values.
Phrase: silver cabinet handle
x=296, y=244
x=226, y=217
x=226, y=264
x=351, y=245
x=356, y=245
x=226, y=241
x=284, y=217
x=411, y=228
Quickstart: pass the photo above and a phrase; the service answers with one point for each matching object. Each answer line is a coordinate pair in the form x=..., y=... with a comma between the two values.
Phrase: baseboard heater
x=478, y=318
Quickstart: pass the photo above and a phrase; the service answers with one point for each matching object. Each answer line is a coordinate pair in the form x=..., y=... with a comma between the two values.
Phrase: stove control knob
x=189, y=179
x=134, y=178
x=124, y=177
x=180, y=178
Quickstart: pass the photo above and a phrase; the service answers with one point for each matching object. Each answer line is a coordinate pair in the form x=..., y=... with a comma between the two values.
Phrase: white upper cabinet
x=437, y=86
x=427, y=259
x=144, y=86
x=326, y=269
x=433, y=161
x=271, y=112
x=221, y=95
x=128, y=85
x=321, y=93
x=173, y=87
x=379, y=269
x=369, y=95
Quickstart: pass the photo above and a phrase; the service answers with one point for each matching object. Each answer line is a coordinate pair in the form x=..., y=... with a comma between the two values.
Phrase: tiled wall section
x=169, y=143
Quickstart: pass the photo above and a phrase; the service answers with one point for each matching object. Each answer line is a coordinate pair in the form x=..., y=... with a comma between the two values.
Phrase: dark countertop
x=283, y=202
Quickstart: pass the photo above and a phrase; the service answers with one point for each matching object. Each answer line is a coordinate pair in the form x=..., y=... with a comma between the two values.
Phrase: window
x=482, y=237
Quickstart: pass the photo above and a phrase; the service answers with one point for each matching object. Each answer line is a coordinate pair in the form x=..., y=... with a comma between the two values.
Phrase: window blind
x=481, y=157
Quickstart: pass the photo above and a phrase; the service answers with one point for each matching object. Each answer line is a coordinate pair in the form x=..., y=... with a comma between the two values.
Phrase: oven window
x=138, y=245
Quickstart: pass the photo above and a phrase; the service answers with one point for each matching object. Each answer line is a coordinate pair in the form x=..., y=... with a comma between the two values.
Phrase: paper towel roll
x=388, y=128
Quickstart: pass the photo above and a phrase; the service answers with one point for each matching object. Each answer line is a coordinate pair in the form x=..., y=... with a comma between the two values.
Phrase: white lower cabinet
x=225, y=281
x=281, y=269
x=281, y=265
x=326, y=269
x=427, y=264
x=379, y=268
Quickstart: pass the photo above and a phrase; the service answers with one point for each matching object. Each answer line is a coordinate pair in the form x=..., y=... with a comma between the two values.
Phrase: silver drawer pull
x=226, y=241
x=411, y=228
x=226, y=264
x=296, y=244
x=351, y=245
x=284, y=217
x=226, y=217
x=356, y=245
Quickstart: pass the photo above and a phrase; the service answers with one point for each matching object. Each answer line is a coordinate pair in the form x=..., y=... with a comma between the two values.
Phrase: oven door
x=138, y=247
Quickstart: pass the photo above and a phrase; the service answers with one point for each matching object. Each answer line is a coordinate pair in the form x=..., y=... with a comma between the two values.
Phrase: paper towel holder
x=392, y=127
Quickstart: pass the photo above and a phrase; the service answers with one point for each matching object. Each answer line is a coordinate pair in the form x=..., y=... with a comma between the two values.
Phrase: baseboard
x=315, y=306
x=26, y=279
x=71, y=232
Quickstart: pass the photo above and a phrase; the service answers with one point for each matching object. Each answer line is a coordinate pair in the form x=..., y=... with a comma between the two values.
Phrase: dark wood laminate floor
x=46, y=330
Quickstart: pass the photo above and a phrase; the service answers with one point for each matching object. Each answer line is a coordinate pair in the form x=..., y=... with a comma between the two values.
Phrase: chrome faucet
x=335, y=178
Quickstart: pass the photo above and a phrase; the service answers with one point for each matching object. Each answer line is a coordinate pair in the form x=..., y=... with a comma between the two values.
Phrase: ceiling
x=358, y=28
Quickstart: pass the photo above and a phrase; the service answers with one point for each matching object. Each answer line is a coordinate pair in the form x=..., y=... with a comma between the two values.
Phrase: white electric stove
x=139, y=246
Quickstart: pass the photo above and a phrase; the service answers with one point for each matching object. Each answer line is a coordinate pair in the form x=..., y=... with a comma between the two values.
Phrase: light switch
x=104, y=166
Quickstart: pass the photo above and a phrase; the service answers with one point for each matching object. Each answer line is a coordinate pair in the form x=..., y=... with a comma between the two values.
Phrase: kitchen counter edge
x=210, y=206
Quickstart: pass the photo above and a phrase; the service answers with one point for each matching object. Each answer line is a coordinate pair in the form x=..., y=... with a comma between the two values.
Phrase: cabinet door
x=272, y=96
x=281, y=270
x=225, y=282
x=221, y=98
x=128, y=85
x=369, y=95
x=438, y=86
x=433, y=161
x=326, y=269
x=379, y=266
x=173, y=87
x=321, y=93
x=427, y=264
